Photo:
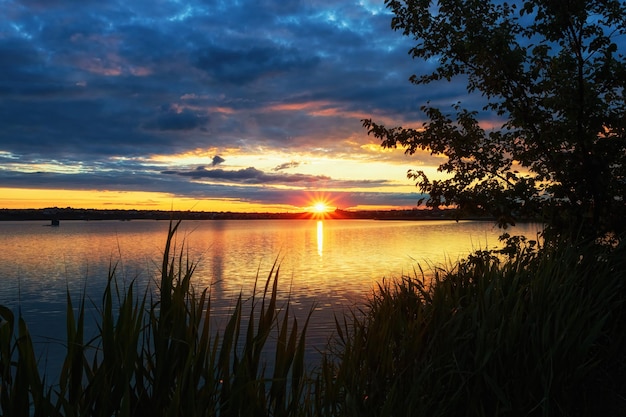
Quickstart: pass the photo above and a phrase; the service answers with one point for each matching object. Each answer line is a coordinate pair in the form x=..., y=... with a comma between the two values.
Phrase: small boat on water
x=55, y=222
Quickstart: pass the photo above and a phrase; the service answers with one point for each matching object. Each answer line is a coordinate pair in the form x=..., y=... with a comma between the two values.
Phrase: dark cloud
x=170, y=118
x=287, y=165
x=244, y=66
x=217, y=160
x=251, y=175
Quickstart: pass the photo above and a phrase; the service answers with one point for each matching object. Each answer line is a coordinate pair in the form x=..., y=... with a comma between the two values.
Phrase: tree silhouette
x=554, y=73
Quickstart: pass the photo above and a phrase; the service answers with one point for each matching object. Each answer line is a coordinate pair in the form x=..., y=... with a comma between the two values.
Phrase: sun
x=320, y=207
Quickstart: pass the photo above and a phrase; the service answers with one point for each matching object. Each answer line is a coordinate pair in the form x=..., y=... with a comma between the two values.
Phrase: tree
x=554, y=72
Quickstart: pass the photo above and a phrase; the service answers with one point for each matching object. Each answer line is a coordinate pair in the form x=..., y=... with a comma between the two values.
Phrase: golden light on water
x=320, y=237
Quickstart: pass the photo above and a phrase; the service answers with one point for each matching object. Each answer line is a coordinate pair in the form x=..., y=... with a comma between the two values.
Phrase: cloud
x=217, y=160
x=250, y=175
x=254, y=176
x=287, y=165
x=175, y=118
x=249, y=64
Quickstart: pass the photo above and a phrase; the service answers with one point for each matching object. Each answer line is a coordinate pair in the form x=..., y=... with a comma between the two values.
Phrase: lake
x=325, y=264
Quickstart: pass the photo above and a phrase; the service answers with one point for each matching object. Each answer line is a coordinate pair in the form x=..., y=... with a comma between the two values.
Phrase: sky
x=206, y=105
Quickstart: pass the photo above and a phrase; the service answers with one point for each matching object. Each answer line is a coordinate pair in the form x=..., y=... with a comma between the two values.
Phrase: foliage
x=541, y=336
x=554, y=73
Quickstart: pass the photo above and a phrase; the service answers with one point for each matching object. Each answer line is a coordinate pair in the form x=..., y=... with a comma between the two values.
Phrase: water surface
x=327, y=265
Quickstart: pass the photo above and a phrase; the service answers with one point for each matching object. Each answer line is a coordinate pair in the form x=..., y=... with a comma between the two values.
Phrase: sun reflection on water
x=320, y=237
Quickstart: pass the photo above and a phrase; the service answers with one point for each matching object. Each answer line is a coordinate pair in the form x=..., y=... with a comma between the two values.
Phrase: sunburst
x=320, y=207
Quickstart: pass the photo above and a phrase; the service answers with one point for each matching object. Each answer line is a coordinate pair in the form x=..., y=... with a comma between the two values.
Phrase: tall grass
x=161, y=357
x=537, y=335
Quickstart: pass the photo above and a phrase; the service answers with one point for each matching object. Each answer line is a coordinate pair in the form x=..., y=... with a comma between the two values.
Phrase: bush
x=534, y=335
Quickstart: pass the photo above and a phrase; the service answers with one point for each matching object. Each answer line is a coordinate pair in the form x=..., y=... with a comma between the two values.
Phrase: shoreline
x=60, y=214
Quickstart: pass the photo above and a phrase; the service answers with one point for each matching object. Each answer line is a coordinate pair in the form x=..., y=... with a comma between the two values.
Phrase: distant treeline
x=69, y=213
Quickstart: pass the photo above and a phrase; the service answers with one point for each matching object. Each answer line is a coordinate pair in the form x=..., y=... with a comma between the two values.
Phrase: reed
x=534, y=335
x=162, y=357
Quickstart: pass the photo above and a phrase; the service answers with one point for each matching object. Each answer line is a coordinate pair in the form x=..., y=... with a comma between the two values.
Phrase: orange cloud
x=222, y=110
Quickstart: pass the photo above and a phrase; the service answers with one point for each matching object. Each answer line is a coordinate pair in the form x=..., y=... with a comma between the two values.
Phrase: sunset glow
x=113, y=200
x=320, y=207
x=220, y=122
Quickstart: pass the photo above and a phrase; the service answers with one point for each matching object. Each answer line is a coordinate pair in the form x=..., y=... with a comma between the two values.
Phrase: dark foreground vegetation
x=537, y=333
